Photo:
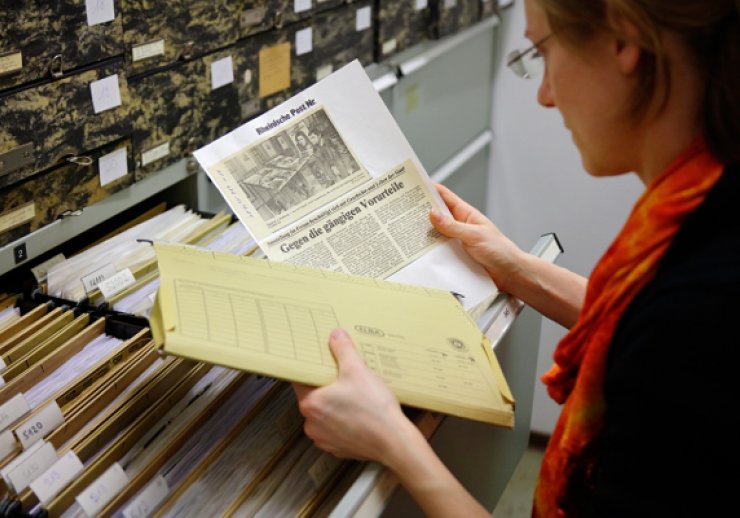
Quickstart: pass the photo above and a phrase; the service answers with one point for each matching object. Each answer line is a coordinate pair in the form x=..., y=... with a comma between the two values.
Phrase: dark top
x=671, y=442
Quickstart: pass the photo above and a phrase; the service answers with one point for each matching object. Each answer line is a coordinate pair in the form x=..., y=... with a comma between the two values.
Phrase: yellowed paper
x=274, y=319
x=274, y=69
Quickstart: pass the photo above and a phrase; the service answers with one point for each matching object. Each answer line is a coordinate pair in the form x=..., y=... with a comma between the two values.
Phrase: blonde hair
x=711, y=31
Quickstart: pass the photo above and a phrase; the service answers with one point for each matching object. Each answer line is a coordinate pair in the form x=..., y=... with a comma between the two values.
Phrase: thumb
x=448, y=226
x=344, y=350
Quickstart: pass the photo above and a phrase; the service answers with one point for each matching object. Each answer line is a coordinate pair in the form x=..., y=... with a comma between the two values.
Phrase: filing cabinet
x=451, y=16
x=401, y=25
x=43, y=40
x=46, y=124
x=342, y=35
x=69, y=187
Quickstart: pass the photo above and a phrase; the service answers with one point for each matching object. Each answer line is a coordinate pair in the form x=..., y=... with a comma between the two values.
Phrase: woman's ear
x=627, y=49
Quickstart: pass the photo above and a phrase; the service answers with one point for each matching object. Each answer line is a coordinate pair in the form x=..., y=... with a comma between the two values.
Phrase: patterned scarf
x=577, y=378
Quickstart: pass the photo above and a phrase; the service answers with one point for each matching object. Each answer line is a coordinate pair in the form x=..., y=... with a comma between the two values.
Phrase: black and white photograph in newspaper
x=295, y=166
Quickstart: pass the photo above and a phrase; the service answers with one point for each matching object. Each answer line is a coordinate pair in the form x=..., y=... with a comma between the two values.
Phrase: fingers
x=449, y=227
x=344, y=350
x=450, y=198
x=301, y=390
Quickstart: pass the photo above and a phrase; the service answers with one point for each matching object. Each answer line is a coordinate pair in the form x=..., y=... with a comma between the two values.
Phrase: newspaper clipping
x=327, y=179
x=373, y=232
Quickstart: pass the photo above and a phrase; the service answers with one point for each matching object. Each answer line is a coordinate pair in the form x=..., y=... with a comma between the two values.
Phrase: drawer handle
x=57, y=67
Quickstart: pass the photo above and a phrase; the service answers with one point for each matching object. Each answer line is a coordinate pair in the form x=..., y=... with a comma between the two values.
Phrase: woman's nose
x=544, y=96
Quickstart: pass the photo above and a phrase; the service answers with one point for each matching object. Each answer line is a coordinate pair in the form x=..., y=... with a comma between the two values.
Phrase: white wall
x=538, y=185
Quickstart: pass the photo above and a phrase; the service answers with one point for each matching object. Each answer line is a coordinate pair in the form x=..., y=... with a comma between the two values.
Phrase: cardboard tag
x=102, y=491
x=389, y=46
x=274, y=69
x=99, y=11
x=40, y=425
x=301, y=5
x=7, y=444
x=363, y=18
x=105, y=93
x=116, y=283
x=18, y=216
x=155, y=153
x=322, y=469
x=57, y=477
x=32, y=467
x=324, y=71
x=222, y=72
x=146, y=502
x=304, y=41
x=421, y=4
x=113, y=166
x=12, y=410
x=10, y=63
x=91, y=280
x=147, y=50
x=40, y=271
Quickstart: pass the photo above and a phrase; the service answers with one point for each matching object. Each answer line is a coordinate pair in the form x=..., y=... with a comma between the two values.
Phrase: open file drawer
x=481, y=456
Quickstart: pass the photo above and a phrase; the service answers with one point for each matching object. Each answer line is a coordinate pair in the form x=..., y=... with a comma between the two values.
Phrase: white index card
x=301, y=5
x=113, y=166
x=99, y=11
x=105, y=93
x=303, y=41
x=363, y=18
x=222, y=72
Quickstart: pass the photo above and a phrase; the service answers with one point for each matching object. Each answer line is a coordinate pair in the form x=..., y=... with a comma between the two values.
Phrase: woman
x=648, y=426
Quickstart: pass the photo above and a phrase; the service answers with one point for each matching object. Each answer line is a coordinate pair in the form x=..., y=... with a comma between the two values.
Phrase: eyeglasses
x=527, y=63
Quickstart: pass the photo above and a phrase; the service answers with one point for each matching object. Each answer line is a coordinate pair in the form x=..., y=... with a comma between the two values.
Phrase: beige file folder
x=274, y=319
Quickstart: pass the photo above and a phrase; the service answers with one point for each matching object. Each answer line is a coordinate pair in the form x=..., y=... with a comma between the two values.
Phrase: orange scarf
x=577, y=378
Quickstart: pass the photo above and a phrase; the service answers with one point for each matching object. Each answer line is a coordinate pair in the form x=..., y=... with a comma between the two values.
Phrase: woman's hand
x=357, y=416
x=485, y=243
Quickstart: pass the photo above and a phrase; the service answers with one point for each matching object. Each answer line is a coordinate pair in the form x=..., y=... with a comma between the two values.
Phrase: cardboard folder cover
x=274, y=319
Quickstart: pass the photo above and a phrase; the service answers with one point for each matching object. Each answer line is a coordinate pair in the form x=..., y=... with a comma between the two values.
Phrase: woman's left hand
x=357, y=416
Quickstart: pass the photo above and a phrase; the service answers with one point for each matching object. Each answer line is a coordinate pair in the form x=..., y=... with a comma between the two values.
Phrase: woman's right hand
x=485, y=243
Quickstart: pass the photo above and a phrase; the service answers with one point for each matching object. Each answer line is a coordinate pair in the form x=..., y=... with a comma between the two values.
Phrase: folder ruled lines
x=279, y=327
x=458, y=375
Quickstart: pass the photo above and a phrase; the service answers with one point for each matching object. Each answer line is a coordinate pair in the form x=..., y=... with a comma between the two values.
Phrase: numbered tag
x=31, y=468
x=57, y=477
x=41, y=271
x=322, y=469
x=148, y=500
x=147, y=50
x=40, y=425
x=13, y=410
x=99, y=493
x=99, y=11
x=105, y=93
x=113, y=166
x=363, y=18
x=8, y=444
x=116, y=283
x=303, y=41
x=301, y=5
x=155, y=153
x=222, y=72
x=91, y=280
